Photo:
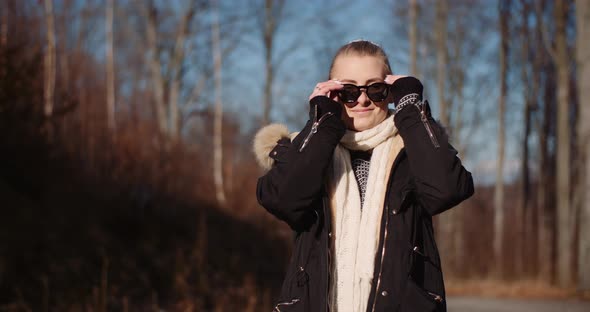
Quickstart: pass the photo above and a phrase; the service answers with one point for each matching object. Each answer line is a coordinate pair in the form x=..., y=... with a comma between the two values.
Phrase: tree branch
x=544, y=30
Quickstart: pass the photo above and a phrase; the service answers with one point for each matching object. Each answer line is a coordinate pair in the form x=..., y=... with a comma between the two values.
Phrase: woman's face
x=361, y=71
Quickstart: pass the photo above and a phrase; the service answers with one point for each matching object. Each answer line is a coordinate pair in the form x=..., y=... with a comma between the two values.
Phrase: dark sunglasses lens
x=349, y=93
x=378, y=91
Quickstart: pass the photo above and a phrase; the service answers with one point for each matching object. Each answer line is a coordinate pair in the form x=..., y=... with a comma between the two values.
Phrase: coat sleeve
x=441, y=180
x=293, y=187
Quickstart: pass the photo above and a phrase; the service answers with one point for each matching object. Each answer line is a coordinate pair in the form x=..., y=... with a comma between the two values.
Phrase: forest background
x=127, y=180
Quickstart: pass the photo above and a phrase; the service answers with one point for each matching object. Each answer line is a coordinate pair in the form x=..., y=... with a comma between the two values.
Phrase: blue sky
x=376, y=21
x=313, y=30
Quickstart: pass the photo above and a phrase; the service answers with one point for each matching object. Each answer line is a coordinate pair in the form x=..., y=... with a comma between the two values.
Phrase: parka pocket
x=295, y=297
x=417, y=299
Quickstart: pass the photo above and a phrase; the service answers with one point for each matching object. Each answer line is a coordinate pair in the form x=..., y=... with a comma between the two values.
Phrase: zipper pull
x=314, y=130
x=416, y=249
x=311, y=132
x=424, y=119
x=436, y=297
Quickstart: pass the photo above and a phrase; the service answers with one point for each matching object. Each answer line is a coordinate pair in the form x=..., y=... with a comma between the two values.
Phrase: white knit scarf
x=356, y=231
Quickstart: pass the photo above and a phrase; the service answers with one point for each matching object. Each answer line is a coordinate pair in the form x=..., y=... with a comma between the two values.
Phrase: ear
x=265, y=140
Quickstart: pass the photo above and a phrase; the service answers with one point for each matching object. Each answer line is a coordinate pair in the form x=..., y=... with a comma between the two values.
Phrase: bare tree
x=445, y=221
x=528, y=92
x=441, y=25
x=167, y=111
x=63, y=23
x=4, y=30
x=458, y=52
x=155, y=66
x=110, y=65
x=4, y=23
x=545, y=216
x=218, y=123
x=49, y=60
x=413, y=37
x=504, y=8
x=176, y=72
x=564, y=212
x=582, y=194
x=273, y=10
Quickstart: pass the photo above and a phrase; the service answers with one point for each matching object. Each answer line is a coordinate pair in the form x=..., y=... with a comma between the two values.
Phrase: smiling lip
x=362, y=110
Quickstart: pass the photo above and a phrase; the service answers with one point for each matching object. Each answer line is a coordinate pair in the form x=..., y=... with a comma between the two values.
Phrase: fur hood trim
x=265, y=140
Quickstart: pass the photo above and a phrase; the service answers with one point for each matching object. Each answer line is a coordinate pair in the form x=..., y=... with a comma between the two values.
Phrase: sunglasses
x=376, y=92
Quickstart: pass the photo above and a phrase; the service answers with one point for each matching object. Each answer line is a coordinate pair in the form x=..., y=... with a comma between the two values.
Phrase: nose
x=363, y=98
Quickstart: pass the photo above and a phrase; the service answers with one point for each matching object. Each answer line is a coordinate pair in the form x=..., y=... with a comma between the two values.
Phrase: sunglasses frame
x=365, y=89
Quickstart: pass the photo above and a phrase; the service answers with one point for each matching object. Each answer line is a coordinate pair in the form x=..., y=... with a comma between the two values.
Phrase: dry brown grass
x=526, y=289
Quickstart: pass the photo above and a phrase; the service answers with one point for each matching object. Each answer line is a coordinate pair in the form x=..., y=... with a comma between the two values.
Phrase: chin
x=362, y=125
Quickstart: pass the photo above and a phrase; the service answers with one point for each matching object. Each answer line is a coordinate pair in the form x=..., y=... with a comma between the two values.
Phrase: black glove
x=405, y=88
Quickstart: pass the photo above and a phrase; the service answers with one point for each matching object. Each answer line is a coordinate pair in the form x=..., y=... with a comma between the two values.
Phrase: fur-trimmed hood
x=266, y=139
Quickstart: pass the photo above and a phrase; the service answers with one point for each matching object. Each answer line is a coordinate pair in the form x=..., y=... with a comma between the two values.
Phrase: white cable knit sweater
x=356, y=230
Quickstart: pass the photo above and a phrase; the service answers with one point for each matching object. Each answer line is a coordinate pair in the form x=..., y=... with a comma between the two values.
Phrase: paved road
x=474, y=304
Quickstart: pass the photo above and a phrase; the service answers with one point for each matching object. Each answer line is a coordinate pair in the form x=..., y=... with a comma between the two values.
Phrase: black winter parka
x=426, y=179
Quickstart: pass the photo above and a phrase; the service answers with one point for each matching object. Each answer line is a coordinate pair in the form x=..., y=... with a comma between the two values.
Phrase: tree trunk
x=547, y=229
x=176, y=70
x=499, y=188
x=269, y=31
x=521, y=245
x=545, y=216
x=62, y=38
x=200, y=252
x=445, y=222
x=413, y=37
x=582, y=194
x=4, y=24
x=564, y=211
x=218, y=119
x=523, y=213
x=49, y=60
x=458, y=213
x=104, y=284
x=110, y=66
x=442, y=58
x=456, y=77
x=156, y=68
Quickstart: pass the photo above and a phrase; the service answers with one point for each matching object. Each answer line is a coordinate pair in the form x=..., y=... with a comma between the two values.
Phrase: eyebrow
x=368, y=81
x=375, y=80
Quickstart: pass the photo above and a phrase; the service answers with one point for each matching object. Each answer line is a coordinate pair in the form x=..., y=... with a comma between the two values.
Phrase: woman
x=359, y=186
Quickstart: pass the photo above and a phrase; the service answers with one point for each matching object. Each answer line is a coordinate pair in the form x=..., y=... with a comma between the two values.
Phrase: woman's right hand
x=325, y=89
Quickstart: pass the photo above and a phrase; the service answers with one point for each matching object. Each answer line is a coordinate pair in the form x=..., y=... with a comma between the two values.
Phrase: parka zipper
x=314, y=126
x=386, y=226
x=416, y=250
x=382, y=257
x=328, y=279
x=383, y=249
x=329, y=261
x=289, y=303
x=427, y=126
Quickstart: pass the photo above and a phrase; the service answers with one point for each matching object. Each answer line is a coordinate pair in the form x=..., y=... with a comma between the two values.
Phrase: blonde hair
x=363, y=48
